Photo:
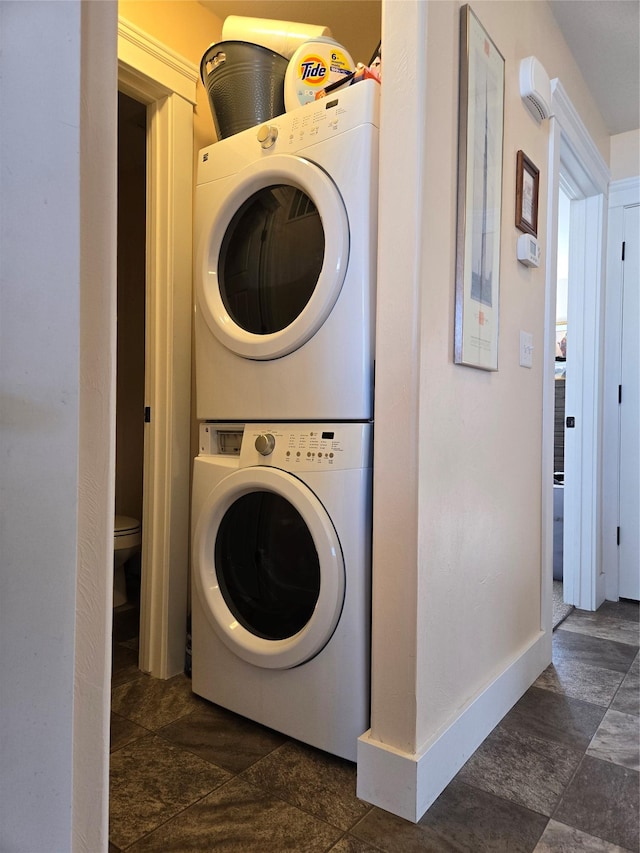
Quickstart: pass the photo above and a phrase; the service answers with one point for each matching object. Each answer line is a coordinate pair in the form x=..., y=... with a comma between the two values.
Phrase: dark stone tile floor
x=560, y=773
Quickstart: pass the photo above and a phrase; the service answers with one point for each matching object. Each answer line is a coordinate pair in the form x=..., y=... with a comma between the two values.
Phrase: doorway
x=130, y=384
x=560, y=610
x=166, y=84
x=577, y=167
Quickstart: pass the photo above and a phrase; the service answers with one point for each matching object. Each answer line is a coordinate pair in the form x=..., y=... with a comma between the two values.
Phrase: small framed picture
x=527, y=185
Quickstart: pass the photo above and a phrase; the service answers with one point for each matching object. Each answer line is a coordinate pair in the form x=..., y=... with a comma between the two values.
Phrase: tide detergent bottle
x=315, y=65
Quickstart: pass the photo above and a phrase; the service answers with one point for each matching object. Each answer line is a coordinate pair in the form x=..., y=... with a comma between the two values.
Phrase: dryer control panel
x=293, y=132
x=292, y=447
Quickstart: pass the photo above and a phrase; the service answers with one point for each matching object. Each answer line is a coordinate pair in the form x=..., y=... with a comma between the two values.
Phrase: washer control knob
x=265, y=444
x=267, y=135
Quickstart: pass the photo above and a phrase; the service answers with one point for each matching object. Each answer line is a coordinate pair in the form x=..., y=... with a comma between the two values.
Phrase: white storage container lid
x=285, y=37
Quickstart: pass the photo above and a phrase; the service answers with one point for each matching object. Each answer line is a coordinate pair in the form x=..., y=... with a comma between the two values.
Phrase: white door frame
x=166, y=83
x=575, y=160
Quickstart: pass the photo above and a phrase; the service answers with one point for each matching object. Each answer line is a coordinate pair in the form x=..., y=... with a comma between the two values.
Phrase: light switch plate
x=526, y=349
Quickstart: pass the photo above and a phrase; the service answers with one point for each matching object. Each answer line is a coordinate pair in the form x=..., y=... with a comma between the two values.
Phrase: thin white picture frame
x=480, y=169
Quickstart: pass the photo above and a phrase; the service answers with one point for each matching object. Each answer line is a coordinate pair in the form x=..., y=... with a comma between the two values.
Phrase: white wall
x=458, y=564
x=56, y=470
x=625, y=155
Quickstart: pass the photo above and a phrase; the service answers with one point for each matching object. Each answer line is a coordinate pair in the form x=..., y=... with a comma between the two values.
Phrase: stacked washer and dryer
x=284, y=328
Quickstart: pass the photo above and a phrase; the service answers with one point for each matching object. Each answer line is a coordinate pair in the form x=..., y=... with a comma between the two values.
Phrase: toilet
x=127, y=539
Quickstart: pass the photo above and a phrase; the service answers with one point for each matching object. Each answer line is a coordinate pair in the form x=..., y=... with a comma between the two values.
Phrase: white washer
x=285, y=260
x=281, y=569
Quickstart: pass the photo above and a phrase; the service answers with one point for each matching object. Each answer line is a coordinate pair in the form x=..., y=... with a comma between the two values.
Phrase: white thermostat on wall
x=529, y=250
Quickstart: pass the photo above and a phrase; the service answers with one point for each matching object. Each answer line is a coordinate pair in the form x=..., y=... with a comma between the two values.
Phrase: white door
x=629, y=512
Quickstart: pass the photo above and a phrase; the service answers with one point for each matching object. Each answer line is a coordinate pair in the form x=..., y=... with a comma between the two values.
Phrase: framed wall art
x=527, y=185
x=480, y=134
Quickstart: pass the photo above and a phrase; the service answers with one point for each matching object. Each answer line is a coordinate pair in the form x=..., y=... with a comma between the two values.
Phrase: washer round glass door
x=273, y=257
x=268, y=567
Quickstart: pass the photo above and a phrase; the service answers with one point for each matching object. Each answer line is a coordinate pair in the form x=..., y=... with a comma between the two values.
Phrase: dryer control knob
x=265, y=444
x=267, y=135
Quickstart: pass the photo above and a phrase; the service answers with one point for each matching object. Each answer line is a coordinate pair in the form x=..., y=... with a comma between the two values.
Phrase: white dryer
x=281, y=577
x=285, y=260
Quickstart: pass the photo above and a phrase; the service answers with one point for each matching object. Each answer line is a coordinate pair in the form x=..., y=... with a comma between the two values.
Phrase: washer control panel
x=292, y=447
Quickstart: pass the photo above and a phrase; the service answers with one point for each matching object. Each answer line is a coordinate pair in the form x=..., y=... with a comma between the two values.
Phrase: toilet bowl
x=127, y=539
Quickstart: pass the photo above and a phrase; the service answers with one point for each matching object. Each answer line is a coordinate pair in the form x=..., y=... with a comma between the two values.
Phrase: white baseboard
x=406, y=784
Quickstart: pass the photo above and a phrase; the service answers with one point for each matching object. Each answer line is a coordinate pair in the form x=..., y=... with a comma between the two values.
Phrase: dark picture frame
x=527, y=190
x=480, y=156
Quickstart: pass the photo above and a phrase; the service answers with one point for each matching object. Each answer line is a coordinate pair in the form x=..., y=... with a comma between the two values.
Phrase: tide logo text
x=313, y=70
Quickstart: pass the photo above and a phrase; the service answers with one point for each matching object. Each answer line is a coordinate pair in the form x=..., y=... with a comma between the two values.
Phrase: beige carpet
x=560, y=609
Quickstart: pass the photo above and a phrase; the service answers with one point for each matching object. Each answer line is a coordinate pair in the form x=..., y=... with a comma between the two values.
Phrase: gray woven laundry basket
x=245, y=84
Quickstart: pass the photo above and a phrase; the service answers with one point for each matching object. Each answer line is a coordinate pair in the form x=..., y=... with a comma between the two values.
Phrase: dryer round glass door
x=273, y=257
x=268, y=567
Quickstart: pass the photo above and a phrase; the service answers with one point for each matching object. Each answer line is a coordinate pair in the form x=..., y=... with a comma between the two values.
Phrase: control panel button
x=265, y=443
x=267, y=135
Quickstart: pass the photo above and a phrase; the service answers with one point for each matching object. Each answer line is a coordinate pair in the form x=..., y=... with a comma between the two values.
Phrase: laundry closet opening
x=132, y=156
